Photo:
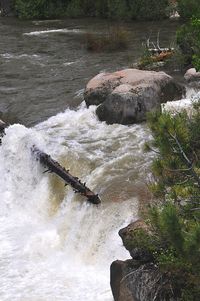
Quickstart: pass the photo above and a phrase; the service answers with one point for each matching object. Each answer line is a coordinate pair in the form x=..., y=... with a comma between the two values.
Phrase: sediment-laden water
x=53, y=244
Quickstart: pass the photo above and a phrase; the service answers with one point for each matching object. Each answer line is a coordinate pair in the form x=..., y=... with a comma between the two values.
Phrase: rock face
x=127, y=235
x=131, y=281
x=192, y=77
x=126, y=96
x=138, y=279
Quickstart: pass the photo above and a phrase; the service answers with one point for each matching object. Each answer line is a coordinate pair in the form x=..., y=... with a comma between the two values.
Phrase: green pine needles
x=173, y=238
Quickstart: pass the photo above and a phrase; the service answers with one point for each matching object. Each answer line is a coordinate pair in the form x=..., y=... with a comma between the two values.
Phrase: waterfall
x=53, y=244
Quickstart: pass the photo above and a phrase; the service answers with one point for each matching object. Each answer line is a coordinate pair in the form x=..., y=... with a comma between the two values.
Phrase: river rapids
x=54, y=246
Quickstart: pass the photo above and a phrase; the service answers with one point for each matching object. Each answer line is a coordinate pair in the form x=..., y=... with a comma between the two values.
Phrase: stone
x=192, y=77
x=131, y=281
x=127, y=235
x=139, y=278
x=126, y=96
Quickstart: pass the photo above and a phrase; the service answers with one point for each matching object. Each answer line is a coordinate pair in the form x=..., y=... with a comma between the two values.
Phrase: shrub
x=28, y=9
x=188, y=8
x=148, y=9
x=174, y=224
x=188, y=39
x=114, y=9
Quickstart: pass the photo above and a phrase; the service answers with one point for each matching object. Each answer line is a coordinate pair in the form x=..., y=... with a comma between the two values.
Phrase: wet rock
x=138, y=279
x=2, y=126
x=127, y=235
x=118, y=270
x=131, y=281
x=126, y=96
x=192, y=77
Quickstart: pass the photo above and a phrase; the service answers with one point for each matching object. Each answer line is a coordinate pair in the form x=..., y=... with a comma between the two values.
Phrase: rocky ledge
x=126, y=96
x=139, y=278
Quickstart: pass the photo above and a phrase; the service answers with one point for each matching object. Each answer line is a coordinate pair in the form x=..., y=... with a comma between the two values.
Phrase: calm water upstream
x=45, y=66
x=53, y=245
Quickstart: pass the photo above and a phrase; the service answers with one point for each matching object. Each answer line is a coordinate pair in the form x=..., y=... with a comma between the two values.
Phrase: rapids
x=53, y=244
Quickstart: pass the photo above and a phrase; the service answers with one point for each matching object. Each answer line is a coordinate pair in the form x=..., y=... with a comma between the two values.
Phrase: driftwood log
x=54, y=167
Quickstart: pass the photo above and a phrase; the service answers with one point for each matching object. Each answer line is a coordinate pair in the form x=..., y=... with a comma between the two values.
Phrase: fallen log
x=54, y=167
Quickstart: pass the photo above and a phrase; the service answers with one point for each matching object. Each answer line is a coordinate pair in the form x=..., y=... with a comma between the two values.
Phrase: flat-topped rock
x=126, y=96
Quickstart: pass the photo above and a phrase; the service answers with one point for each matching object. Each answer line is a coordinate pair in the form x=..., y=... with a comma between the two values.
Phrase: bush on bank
x=114, y=9
x=188, y=9
x=173, y=239
x=188, y=39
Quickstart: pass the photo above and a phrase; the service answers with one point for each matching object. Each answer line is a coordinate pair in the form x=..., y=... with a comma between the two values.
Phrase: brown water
x=45, y=65
x=54, y=246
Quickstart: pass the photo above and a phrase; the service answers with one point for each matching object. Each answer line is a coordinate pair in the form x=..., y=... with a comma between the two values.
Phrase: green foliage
x=174, y=225
x=28, y=9
x=177, y=166
x=188, y=39
x=196, y=62
x=146, y=59
x=114, y=9
x=188, y=8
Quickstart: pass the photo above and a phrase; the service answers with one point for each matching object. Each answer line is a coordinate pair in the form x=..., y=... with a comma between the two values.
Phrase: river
x=54, y=246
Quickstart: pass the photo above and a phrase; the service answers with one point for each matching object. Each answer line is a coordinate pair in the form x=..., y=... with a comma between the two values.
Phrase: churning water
x=54, y=246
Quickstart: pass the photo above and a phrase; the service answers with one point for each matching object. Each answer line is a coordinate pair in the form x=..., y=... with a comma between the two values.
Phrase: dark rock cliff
x=139, y=278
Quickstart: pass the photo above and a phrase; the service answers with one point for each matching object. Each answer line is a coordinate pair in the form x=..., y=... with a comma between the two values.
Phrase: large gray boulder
x=126, y=96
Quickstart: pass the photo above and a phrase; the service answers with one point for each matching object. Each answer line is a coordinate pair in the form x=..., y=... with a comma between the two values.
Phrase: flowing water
x=53, y=244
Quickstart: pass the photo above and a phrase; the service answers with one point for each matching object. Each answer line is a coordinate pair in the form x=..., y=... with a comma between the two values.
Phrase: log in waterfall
x=54, y=167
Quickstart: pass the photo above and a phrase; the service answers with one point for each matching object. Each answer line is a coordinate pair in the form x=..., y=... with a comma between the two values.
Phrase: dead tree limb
x=54, y=167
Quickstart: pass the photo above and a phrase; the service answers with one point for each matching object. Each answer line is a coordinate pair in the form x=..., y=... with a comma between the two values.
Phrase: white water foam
x=61, y=30
x=53, y=245
x=183, y=104
x=12, y=56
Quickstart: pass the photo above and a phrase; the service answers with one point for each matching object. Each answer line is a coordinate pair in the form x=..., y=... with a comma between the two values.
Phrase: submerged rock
x=126, y=96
